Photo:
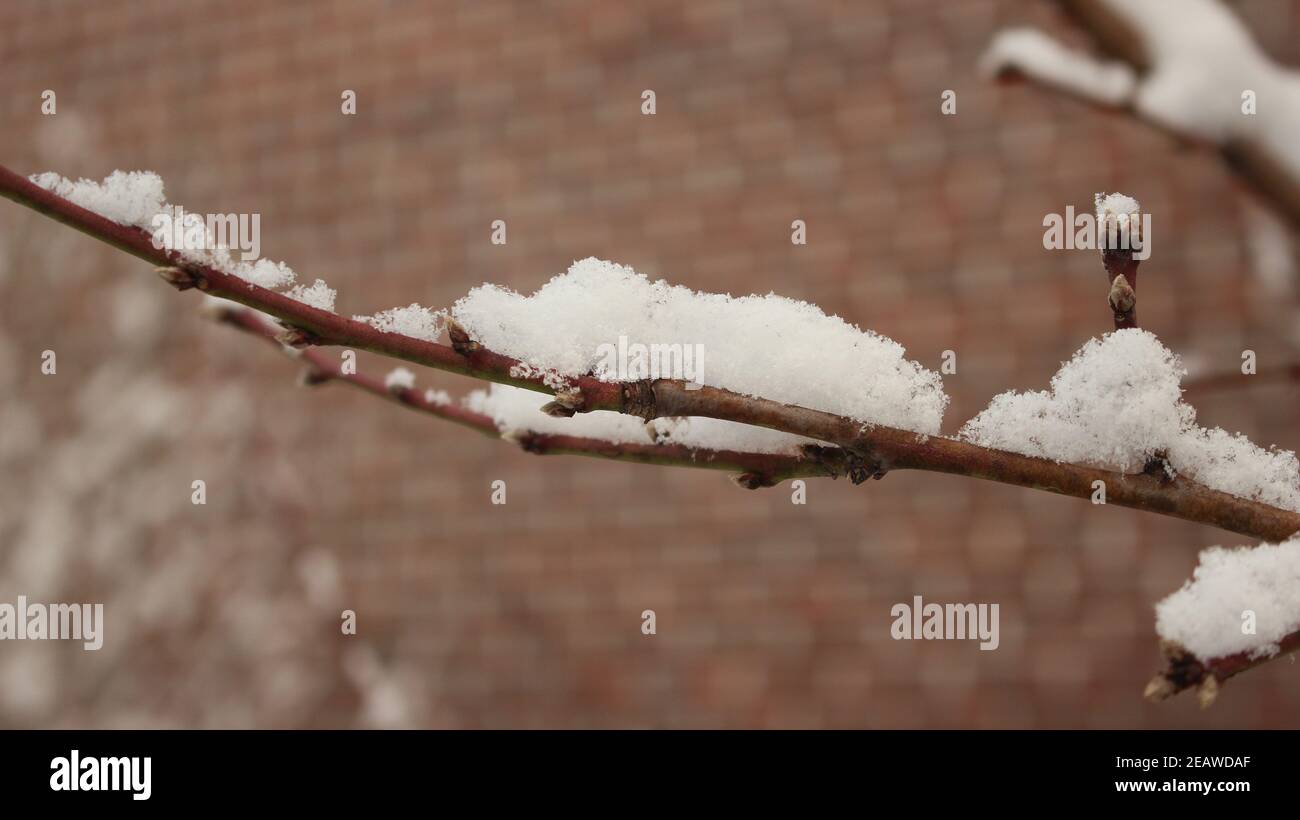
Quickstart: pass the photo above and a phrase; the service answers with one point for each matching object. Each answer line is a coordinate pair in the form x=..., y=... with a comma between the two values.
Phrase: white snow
x=1209, y=616
x=319, y=295
x=413, y=320
x=439, y=397
x=517, y=410
x=769, y=346
x=1119, y=210
x=126, y=197
x=1200, y=60
x=399, y=378
x=136, y=198
x=1032, y=52
x=1117, y=403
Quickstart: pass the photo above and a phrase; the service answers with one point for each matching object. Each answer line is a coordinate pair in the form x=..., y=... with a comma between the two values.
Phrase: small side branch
x=753, y=470
x=1183, y=670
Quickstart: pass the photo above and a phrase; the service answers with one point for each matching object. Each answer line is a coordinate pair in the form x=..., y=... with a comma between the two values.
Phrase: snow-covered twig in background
x=1188, y=67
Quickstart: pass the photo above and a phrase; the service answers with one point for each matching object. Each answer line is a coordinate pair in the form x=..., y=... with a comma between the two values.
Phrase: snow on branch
x=1118, y=405
x=1028, y=52
x=785, y=350
x=872, y=448
x=1241, y=608
x=512, y=415
x=1189, y=67
x=1113, y=418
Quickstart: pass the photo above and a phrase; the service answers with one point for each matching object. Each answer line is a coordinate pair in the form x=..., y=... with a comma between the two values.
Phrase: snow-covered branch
x=1241, y=609
x=1188, y=67
x=875, y=447
x=752, y=469
x=1113, y=422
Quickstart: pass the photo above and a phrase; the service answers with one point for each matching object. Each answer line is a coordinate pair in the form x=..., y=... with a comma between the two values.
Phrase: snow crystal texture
x=413, y=320
x=1206, y=616
x=768, y=346
x=1116, y=404
x=136, y=198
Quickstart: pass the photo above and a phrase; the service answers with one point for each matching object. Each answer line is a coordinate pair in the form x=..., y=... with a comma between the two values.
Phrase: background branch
x=1157, y=60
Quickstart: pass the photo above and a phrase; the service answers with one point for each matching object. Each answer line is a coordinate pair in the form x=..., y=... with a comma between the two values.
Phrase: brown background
x=923, y=227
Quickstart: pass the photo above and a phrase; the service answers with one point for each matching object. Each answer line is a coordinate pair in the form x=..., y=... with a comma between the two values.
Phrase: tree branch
x=1121, y=271
x=880, y=448
x=753, y=470
x=1150, y=82
x=1183, y=670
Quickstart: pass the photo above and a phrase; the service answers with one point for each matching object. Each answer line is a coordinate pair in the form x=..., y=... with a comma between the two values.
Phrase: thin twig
x=1183, y=670
x=753, y=470
x=1121, y=275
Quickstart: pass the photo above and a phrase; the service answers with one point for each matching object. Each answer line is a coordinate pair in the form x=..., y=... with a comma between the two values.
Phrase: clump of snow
x=126, y=197
x=1113, y=404
x=769, y=346
x=1120, y=211
x=515, y=409
x=262, y=272
x=1032, y=52
x=1118, y=403
x=319, y=295
x=438, y=397
x=399, y=378
x=1208, y=615
x=136, y=198
x=413, y=320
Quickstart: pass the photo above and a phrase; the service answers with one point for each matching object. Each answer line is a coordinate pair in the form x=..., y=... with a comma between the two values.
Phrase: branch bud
x=181, y=278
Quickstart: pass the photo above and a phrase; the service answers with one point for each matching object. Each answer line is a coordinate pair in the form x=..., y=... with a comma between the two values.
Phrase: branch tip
x=1208, y=691
x=1159, y=688
x=1122, y=298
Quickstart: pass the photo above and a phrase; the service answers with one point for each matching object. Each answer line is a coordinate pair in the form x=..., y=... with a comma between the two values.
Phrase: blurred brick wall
x=923, y=227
